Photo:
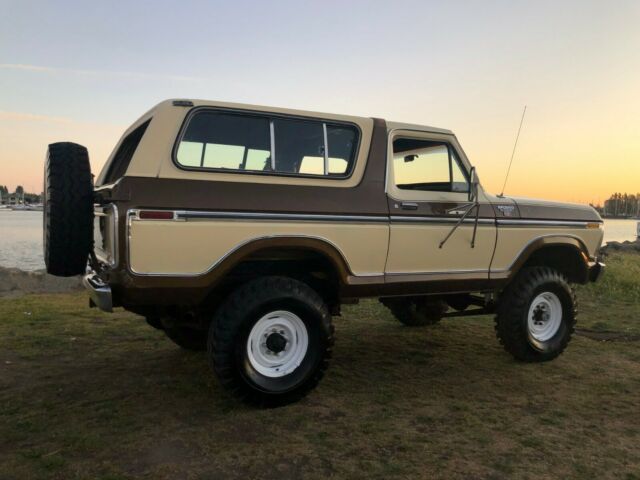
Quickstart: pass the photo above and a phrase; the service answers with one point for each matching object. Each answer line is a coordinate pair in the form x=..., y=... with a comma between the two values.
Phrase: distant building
x=12, y=199
x=19, y=198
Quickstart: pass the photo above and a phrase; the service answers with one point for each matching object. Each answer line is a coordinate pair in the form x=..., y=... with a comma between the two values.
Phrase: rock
x=14, y=282
x=626, y=246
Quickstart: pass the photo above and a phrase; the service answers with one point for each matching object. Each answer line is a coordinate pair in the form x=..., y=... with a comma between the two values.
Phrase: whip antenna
x=513, y=152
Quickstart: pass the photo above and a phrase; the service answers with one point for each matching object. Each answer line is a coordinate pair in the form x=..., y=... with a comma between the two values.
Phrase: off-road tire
x=415, y=311
x=511, y=321
x=232, y=324
x=187, y=338
x=68, y=209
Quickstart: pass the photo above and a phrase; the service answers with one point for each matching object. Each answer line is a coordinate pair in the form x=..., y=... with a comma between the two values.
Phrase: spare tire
x=68, y=209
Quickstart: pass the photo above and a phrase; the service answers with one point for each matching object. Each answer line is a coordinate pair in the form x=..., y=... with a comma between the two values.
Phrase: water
x=21, y=237
x=21, y=240
x=618, y=230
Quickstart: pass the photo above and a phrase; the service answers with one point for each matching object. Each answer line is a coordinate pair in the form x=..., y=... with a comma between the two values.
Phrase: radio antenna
x=513, y=152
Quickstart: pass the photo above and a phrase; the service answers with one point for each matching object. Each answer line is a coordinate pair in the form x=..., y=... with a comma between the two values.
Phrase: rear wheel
x=270, y=342
x=536, y=315
x=415, y=311
x=68, y=209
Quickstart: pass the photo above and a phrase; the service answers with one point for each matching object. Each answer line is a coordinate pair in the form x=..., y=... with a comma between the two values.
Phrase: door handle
x=409, y=205
x=456, y=212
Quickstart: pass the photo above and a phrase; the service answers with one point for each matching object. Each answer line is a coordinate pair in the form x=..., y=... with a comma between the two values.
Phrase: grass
x=621, y=281
x=91, y=395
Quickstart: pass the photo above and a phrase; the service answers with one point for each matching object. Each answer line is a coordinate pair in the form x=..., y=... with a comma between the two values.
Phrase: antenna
x=513, y=152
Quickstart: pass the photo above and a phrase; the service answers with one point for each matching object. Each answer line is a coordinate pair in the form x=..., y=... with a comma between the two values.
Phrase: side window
x=298, y=142
x=226, y=141
x=428, y=166
x=123, y=156
x=230, y=141
x=342, y=143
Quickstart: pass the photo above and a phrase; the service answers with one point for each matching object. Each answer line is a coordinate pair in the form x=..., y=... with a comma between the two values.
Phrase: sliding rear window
x=253, y=143
x=125, y=152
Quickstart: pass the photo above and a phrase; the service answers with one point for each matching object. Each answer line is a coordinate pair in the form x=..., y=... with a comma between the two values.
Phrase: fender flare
x=318, y=245
x=539, y=244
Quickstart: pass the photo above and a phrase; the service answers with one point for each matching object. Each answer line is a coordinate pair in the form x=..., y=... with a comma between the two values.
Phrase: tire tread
x=514, y=303
x=225, y=328
x=68, y=215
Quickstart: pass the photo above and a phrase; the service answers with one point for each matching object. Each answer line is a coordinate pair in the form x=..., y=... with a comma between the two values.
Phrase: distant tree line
x=622, y=205
x=4, y=190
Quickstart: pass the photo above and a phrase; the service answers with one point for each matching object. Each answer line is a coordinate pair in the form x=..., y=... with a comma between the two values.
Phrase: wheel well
x=567, y=259
x=308, y=265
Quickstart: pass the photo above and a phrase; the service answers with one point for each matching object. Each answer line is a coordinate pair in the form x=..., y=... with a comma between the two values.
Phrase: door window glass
x=427, y=165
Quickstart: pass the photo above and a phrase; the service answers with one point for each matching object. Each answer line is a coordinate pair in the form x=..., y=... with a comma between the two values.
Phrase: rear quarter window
x=122, y=158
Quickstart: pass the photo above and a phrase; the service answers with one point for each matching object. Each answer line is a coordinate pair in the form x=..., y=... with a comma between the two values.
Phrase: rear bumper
x=595, y=271
x=99, y=292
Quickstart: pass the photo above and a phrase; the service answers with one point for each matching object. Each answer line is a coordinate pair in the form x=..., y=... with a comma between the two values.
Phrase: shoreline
x=628, y=246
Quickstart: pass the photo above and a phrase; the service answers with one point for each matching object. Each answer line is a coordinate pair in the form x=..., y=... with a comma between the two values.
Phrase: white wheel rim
x=276, y=327
x=545, y=316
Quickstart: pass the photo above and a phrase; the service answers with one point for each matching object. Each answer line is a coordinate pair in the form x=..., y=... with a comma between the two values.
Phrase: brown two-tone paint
x=367, y=198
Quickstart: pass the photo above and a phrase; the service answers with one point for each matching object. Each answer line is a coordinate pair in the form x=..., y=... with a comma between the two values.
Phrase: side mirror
x=473, y=185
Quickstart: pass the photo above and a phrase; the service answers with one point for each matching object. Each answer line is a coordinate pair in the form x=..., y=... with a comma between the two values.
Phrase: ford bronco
x=241, y=230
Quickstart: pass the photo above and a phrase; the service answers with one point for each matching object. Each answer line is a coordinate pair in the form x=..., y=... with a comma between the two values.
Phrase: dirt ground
x=14, y=282
x=91, y=395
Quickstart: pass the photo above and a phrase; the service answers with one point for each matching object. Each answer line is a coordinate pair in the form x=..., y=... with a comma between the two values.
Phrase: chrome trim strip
x=191, y=215
x=208, y=215
x=517, y=222
x=326, y=149
x=436, y=220
x=272, y=136
x=107, y=186
x=444, y=272
x=205, y=215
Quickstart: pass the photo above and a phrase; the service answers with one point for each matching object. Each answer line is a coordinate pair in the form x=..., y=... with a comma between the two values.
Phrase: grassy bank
x=85, y=394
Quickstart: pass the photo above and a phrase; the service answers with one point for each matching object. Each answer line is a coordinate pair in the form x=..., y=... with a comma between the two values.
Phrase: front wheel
x=271, y=340
x=536, y=315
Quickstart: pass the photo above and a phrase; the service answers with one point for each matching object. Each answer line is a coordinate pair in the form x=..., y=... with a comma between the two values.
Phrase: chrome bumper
x=99, y=292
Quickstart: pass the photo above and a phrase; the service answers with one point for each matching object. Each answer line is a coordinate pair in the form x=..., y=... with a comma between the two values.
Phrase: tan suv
x=241, y=230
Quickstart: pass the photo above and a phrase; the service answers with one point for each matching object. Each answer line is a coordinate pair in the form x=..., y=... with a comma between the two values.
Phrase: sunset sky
x=83, y=71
